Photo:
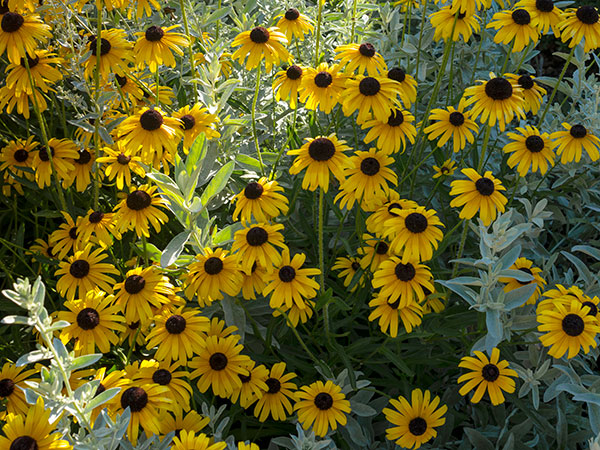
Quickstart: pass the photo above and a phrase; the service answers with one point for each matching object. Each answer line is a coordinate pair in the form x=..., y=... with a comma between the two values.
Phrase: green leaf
x=174, y=248
x=582, y=269
x=519, y=296
x=83, y=361
x=102, y=398
x=588, y=250
x=362, y=410
x=218, y=183
x=225, y=235
x=478, y=440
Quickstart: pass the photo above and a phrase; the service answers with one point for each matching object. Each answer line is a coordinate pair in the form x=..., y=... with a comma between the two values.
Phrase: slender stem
x=461, y=247
x=481, y=39
x=97, y=74
x=253, y=114
x=505, y=64
x=419, y=47
x=354, y=2
x=190, y=49
x=321, y=263
x=433, y=192
x=560, y=77
x=218, y=22
x=486, y=140
x=318, y=30
x=451, y=78
x=157, y=87
x=300, y=340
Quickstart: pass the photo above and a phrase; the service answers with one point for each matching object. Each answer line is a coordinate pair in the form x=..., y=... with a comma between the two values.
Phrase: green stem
x=157, y=87
x=320, y=225
x=354, y=2
x=461, y=247
x=560, y=77
x=97, y=73
x=423, y=16
x=318, y=30
x=190, y=49
x=481, y=39
x=451, y=78
x=486, y=140
x=253, y=113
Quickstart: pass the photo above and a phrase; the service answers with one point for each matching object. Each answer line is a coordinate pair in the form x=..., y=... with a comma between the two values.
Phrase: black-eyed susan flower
x=446, y=169
x=404, y=282
x=62, y=152
x=94, y=323
x=168, y=374
x=290, y=284
x=575, y=26
x=258, y=44
x=391, y=134
x=294, y=24
x=20, y=34
x=367, y=177
x=66, y=238
x=525, y=265
x=390, y=315
x=322, y=406
x=219, y=328
x=219, y=364
x=530, y=150
x=560, y=295
x=370, y=95
x=256, y=244
x=177, y=422
x=187, y=440
x=156, y=46
x=443, y=23
x=286, y=84
x=129, y=88
x=496, y=100
x=146, y=401
x=276, y=400
x=247, y=446
x=478, y=194
x=544, y=15
x=114, y=379
x=415, y=422
x=139, y=210
x=374, y=252
x=514, y=26
x=469, y=6
x=142, y=290
x=491, y=375
x=97, y=226
x=321, y=87
x=17, y=155
x=260, y=199
x=212, y=274
x=142, y=7
x=568, y=327
x=571, y=143
x=532, y=92
x=10, y=99
x=196, y=120
x=455, y=123
x=254, y=282
x=375, y=222
x=434, y=302
x=362, y=58
x=408, y=85
x=119, y=164
x=83, y=272
x=177, y=335
x=295, y=314
x=42, y=247
x=414, y=233
x=115, y=54
x=150, y=132
x=41, y=67
x=12, y=394
x=81, y=173
x=135, y=333
x=33, y=430
x=348, y=267
x=319, y=156
x=253, y=385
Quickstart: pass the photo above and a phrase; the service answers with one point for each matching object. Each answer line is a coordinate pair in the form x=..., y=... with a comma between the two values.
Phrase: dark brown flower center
x=397, y=74
x=273, y=384
x=355, y=266
x=31, y=61
x=369, y=86
x=4, y=7
x=43, y=154
x=293, y=72
x=573, y=325
x=162, y=377
x=135, y=398
x=393, y=206
x=417, y=426
x=292, y=14
x=287, y=274
x=24, y=443
x=416, y=222
x=498, y=88
x=213, y=265
x=526, y=270
x=525, y=81
x=7, y=387
x=578, y=131
x=121, y=80
x=257, y=236
x=21, y=155
x=456, y=118
x=367, y=49
x=381, y=248
x=544, y=5
x=396, y=118
x=370, y=166
x=134, y=325
x=138, y=200
x=461, y=15
x=99, y=390
x=521, y=17
x=88, y=319
x=323, y=79
x=490, y=372
x=134, y=284
x=96, y=217
x=259, y=35
x=587, y=15
x=123, y=159
x=11, y=22
x=245, y=378
x=175, y=324
x=253, y=190
x=593, y=309
x=188, y=121
x=104, y=46
x=405, y=272
x=79, y=268
x=534, y=143
x=84, y=157
x=151, y=120
x=395, y=304
x=485, y=186
x=73, y=233
x=323, y=401
x=154, y=33
x=321, y=149
x=217, y=361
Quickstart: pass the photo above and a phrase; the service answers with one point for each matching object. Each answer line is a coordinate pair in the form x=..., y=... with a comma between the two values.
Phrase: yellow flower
x=156, y=46
x=258, y=44
x=514, y=26
x=293, y=23
x=571, y=143
x=322, y=406
x=479, y=193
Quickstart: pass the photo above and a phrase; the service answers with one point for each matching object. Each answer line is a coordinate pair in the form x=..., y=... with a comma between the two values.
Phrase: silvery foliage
x=54, y=386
